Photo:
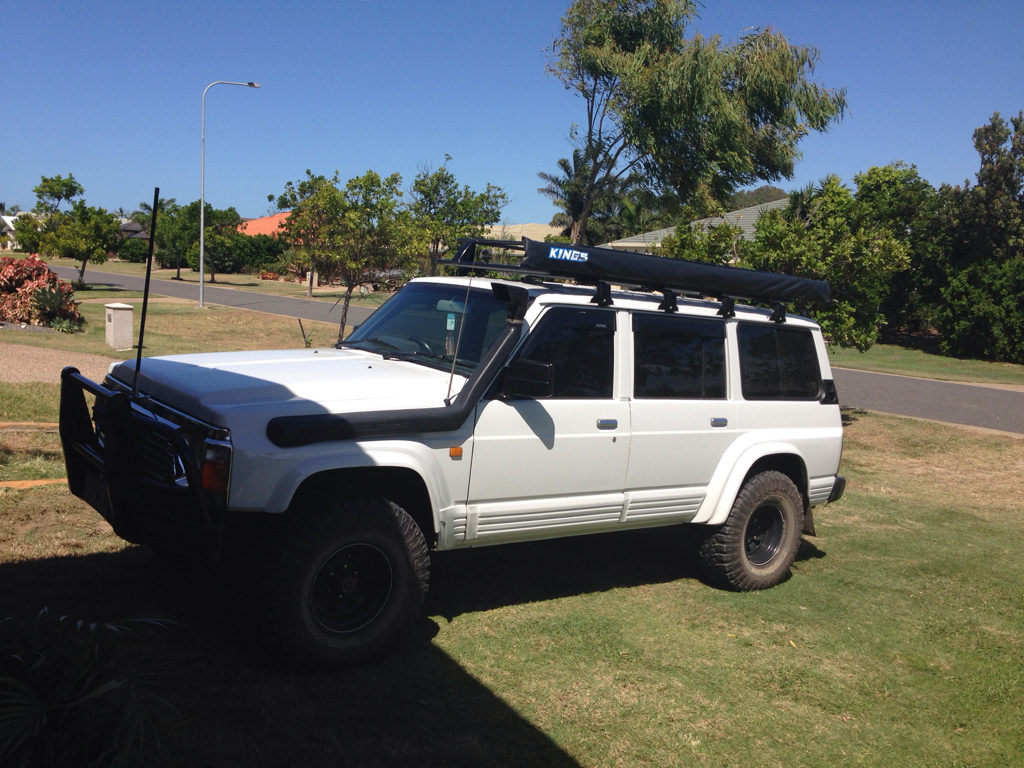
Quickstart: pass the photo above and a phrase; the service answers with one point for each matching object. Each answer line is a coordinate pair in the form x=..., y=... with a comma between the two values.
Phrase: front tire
x=348, y=584
x=756, y=546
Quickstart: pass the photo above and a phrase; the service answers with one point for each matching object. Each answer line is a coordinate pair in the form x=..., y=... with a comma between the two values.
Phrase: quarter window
x=678, y=357
x=778, y=363
x=579, y=343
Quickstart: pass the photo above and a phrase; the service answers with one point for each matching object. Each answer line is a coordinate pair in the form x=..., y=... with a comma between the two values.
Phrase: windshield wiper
x=379, y=342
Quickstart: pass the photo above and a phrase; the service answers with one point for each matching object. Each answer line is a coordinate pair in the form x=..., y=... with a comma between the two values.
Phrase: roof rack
x=586, y=264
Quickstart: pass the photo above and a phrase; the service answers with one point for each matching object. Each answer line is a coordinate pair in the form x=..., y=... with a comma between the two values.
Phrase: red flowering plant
x=31, y=293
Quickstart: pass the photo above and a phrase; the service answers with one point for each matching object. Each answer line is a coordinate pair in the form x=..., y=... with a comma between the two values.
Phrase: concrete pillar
x=119, y=326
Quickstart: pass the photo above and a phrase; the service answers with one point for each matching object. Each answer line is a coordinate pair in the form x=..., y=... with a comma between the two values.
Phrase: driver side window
x=579, y=343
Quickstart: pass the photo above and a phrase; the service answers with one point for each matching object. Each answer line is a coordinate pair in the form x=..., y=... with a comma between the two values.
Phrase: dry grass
x=174, y=329
x=30, y=454
x=47, y=522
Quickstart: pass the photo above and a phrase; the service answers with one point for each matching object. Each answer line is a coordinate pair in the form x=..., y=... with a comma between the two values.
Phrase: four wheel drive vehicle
x=470, y=411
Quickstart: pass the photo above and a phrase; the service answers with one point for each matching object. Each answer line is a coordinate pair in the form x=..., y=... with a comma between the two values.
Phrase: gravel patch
x=20, y=363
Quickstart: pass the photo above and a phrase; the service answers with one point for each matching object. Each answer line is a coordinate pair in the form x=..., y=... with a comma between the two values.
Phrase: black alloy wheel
x=351, y=588
x=764, y=534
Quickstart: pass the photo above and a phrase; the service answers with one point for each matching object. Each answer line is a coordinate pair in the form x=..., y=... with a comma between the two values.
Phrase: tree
x=223, y=242
x=54, y=190
x=177, y=237
x=567, y=191
x=747, y=198
x=722, y=244
x=897, y=198
x=86, y=233
x=29, y=232
x=981, y=263
x=698, y=117
x=358, y=234
x=443, y=212
x=838, y=243
x=144, y=214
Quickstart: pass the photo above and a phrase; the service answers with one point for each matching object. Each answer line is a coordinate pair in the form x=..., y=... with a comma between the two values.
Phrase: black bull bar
x=141, y=473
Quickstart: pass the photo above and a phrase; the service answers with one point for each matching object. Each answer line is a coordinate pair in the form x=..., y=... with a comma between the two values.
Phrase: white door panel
x=674, y=444
x=535, y=449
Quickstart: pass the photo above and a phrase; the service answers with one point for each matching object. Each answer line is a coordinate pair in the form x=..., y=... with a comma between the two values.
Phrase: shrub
x=31, y=293
x=134, y=250
x=79, y=694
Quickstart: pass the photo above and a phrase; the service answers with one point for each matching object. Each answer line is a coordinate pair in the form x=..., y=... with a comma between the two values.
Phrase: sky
x=111, y=91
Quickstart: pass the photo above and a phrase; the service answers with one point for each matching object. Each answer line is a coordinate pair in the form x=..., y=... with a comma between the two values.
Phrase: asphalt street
x=902, y=395
x=261, y=302
x=927, y=399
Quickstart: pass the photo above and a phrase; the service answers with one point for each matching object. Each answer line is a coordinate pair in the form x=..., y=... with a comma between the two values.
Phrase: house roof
x=265, y=225
x=744, y=218
x=517, y=231
x=133, y=230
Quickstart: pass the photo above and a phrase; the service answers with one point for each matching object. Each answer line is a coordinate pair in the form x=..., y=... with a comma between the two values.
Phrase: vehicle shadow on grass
x=416, y=706
x=484, y=578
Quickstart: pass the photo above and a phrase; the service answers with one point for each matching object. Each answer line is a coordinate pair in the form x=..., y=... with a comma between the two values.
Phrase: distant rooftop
x=519, y=231
x=265, y=225
x=744, y=218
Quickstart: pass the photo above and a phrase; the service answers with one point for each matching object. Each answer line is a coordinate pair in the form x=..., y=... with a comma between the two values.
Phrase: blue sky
x=111, y=91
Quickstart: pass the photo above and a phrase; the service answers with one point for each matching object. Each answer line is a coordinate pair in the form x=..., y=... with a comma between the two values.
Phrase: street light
x=202, y=187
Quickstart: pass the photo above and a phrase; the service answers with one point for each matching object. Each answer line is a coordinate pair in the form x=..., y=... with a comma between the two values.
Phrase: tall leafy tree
x=359, y=234
x=838, y=243
x=53, y=191
x=897, y=198
x=225, y=245
x=982, y=259
x=87, y=234
x=699, y=117
x=444, y=212
x=747, y=198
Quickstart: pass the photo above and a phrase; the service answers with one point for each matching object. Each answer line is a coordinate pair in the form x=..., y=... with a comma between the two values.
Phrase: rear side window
x=580, y=344
x=678, y=357
x=778, y=363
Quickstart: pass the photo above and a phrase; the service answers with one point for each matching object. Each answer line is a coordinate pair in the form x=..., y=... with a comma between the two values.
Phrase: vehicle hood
x=221, y=387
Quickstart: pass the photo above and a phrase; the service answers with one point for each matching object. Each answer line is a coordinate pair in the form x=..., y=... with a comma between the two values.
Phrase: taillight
x=216, y=467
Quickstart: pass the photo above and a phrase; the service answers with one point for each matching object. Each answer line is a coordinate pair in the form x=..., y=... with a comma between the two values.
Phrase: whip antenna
x=458, y=342
x=145, y=291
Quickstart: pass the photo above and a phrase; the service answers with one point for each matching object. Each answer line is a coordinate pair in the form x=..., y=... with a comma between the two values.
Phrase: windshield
x=423, y=323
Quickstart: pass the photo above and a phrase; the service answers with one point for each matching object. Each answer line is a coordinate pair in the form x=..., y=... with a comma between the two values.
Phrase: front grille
x=156, y=457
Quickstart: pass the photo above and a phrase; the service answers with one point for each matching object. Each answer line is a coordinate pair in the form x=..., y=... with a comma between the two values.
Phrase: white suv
x=470, y=411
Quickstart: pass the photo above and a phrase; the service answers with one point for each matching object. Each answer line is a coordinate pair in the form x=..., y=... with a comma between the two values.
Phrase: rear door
x=682, y=420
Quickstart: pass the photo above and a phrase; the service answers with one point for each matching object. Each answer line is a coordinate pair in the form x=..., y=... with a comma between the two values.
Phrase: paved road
x=262, y=302
x=902, y=395
x=939, y=400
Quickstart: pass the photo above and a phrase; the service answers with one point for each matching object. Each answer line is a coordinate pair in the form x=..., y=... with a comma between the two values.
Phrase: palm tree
x=567, y=191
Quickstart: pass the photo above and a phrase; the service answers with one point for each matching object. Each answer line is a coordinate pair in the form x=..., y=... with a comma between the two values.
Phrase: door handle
x=607, y=423
x=719, y=421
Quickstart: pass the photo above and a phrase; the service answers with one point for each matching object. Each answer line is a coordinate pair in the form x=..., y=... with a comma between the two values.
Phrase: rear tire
x=347, y=585
x=756, y=546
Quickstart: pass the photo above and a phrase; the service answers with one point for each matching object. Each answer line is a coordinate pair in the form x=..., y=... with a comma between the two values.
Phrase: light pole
x=202, y=187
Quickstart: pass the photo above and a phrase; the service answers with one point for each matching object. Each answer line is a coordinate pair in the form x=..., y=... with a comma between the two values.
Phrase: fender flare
x=728, y=478
x=389, y=454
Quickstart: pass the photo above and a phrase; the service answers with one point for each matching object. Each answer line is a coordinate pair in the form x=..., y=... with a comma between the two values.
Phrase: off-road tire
x=756, y=546
x=347, y=584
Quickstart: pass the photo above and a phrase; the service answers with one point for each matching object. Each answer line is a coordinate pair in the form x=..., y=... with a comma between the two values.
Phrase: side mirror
x=529, y=378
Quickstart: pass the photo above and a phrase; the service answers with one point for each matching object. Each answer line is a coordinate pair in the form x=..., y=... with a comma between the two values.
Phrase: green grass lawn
x=906, y=361
x=899, y=639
